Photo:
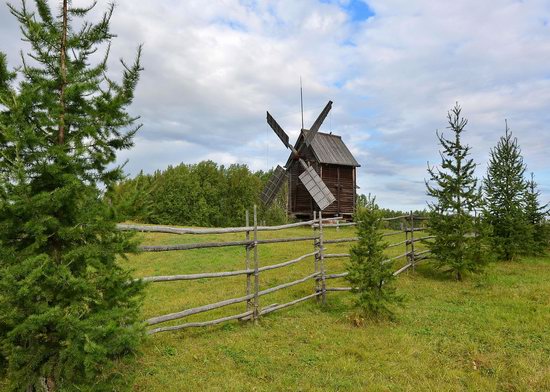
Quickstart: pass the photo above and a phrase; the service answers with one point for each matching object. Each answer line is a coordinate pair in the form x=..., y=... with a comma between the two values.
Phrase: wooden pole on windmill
x=302, y=102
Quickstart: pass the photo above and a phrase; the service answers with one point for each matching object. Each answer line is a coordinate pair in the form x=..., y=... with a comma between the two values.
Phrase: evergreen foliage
x=370, y=277
x=537, y=216
x=504, y=191
x=131, y=198
x=67, y=309
x=202, y=194
x=458, y=245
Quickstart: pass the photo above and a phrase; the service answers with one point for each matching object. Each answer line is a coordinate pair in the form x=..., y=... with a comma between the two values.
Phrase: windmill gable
x=328, y=149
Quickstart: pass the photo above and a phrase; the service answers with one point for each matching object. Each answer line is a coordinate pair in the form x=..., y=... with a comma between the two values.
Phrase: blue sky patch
x=358, y=10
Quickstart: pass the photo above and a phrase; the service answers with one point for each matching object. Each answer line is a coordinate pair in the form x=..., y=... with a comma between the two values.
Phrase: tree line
x=205, y=194
x=202, y=194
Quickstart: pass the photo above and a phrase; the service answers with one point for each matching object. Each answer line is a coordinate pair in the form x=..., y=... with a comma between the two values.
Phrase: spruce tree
x=67, y=309
x=369, y=274
x=458, y=244
x=504, y=190
x=537, y=215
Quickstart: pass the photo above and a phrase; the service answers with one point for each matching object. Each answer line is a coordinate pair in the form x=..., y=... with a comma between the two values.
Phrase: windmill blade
x=317, y=188
x=273, y=185
x=317, y=124
x=278, y=130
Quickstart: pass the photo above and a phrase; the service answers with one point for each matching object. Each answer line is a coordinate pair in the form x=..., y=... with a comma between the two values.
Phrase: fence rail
x=253, y=270
x=225, y=230
x=202, y=245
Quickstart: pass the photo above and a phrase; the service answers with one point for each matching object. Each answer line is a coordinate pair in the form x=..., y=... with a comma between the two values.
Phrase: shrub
x=370, y=276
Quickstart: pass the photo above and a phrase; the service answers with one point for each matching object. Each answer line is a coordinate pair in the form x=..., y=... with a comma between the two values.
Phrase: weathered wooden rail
x=253, y=270
x=410, y=254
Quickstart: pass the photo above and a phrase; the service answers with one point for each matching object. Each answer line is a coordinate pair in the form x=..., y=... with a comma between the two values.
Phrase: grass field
x=488, y=333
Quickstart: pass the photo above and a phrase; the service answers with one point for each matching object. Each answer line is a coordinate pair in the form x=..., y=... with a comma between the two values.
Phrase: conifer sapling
x=504, y=190
x=458, y=244
x=369, y=273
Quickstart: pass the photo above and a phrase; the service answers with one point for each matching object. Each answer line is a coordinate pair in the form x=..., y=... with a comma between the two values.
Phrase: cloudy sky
x=392, y=67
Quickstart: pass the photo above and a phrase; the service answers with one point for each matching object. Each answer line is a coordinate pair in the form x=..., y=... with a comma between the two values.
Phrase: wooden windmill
x=321, y=172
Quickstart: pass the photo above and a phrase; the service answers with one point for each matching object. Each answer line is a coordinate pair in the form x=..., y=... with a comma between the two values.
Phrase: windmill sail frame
x=311, y=180
x=316, y=188
x=274, y=185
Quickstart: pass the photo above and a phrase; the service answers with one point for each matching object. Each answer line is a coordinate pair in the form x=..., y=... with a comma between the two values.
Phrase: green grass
x=488, y=333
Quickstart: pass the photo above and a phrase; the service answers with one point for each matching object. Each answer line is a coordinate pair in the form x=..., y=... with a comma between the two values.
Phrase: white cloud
x=213, y=68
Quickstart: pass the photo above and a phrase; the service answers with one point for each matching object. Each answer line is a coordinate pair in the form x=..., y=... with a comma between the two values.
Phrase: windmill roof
x=328, y=148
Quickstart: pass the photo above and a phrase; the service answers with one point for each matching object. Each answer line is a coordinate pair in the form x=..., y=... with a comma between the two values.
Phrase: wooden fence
x=252, y=270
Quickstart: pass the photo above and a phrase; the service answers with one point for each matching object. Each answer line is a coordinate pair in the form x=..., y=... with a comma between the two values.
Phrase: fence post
x=322, y=260
x=256, y=314
x=412, y=240
x=315, y=249
x=405, y=228
x=248, y=278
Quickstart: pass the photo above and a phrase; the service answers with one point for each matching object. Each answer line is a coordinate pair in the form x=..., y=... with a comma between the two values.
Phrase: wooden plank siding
x=340, y=180
x=334, y=163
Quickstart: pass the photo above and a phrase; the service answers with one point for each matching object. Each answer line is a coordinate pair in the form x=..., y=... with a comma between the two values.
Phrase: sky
x=393, y=68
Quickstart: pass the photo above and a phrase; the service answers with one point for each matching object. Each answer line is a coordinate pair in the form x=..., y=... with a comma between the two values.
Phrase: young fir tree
x=537, y=215
x=504, y=190
x=370, y=277
x=67, y=309
x=458, y=243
